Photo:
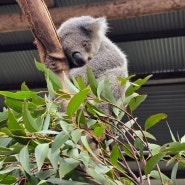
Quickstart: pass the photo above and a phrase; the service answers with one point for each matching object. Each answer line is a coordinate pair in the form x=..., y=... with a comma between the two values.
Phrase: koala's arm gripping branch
x=46, y=39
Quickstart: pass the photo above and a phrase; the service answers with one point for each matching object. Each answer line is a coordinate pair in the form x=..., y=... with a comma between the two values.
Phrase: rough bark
x=46, y=39
x=112, y=10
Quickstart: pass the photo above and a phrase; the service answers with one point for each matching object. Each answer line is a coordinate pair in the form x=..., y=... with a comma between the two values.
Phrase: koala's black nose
x=79, y=61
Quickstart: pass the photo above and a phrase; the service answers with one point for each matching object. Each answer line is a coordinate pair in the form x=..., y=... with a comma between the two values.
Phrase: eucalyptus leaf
x=67, y=165
x=7, y=179
x=59, y=140
x=24, y=159
x=171, y=133
x=76, y=135
x=174, y=173
x=92, y=80
x=125, y=80
x=12, y=122
x=136, y=85
x=24, y=87
x=70, y=86
x=136, y=101
x=86, y=144
x=98, y=131
x=76, y=101
x=50, y=88
x=14, y=104
x=54, y=79
x=54, y=158
x=41, y=152
x=29, y=121
x=152, y=120
x=128, y=150
x=152, y=162
x=20, y=95
x=173, y=147
x=3, y=115
x=155, y=174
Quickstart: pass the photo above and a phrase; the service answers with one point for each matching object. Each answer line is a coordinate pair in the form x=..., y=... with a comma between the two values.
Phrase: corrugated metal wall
x=169, y=99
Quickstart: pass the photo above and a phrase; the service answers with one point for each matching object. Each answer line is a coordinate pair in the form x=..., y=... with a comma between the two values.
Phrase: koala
x=85, y=43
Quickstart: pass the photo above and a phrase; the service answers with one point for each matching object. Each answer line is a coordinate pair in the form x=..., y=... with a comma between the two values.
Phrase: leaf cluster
x=41, y=145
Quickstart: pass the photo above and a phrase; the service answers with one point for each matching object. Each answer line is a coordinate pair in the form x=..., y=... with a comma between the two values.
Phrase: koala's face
x=81, y=38
x=78, y=47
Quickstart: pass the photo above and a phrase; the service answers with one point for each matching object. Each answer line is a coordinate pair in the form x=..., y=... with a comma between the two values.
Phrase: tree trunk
x=47, y=41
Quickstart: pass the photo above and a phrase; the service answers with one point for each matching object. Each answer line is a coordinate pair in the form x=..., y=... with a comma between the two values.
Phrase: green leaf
x=139, y=145
x=100, y=88
x=41, y=151
x=5, y=151
x=98, y=131
x=7, y=131
x=76, y=101
x=98, y=176
x=80, y=117
x=54, y=158
x=5, y=141
x=154, y=148
x=182, y=163
x=4, y=115
x=125, y=80
x=173, y=147
x=171, y=133
x=73, y=153
x=140, y=82
x=85, y=143
x=54, y=79
x=29, y=121
x=144, y=133
x=67, y=165
x=102, y=169
x=136, y=101
x=152, y=120
x=24, y=87
x=76, y=135
x=136, y=85
x=50, y=88
x=128, y=151
x=59, y=181
x=70, y=86
x=7, y=179
x=81, y=83
x=46, y=122
x=59, y=140
x=12, y=122
x=92, y=80
x=24, y=159
x=107, y=91
x=115, y=155
x=66, y=127
x=152, y=162
x=174, y=173
x=155, y=174
x=20, y=95
x=45, y=174
x=14, y=104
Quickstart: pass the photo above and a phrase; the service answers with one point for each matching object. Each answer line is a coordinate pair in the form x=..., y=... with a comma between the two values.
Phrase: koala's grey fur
x=85, y=43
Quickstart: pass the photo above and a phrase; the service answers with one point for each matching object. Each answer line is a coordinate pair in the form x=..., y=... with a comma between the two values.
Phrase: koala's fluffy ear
x=97, y=25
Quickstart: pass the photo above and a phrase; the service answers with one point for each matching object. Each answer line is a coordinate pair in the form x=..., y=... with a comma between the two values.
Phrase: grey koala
x=84, y=42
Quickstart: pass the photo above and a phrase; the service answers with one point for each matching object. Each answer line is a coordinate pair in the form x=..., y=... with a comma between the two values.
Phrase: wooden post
x=46, y=39
x=112, y=10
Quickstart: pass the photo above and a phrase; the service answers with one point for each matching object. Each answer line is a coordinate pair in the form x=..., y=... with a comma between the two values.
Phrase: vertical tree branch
x=46, y=38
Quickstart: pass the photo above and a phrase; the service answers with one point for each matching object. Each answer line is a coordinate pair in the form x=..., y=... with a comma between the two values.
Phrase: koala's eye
x=86, y=45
